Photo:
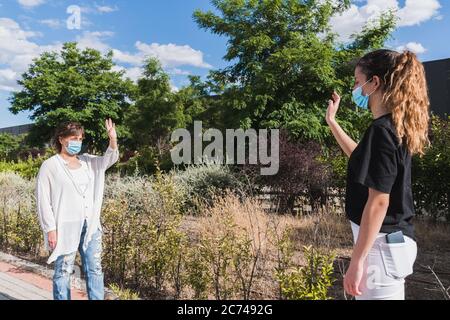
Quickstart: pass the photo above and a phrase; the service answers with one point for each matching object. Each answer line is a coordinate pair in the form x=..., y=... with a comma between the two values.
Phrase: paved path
x=17, y=283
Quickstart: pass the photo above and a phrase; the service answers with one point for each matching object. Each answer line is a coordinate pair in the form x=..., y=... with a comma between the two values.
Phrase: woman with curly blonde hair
x=379, y=202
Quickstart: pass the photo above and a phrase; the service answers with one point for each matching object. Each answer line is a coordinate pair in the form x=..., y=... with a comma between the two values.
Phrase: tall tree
x=286, y=61
x=156, y=112
x=73, y=85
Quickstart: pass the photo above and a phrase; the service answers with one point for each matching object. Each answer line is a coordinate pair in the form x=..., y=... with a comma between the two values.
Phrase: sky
x=135, y=29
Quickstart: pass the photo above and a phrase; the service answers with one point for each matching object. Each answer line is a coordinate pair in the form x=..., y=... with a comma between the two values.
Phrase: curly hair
x=405, y=94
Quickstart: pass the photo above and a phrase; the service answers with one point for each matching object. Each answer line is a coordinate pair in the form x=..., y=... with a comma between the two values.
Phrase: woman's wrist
x=331, y=121
x=357, y=262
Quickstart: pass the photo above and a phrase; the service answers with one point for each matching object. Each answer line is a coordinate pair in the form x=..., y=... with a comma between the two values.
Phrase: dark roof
x=16, y=130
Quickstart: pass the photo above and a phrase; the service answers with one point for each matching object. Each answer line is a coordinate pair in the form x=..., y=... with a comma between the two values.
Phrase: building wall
x=438, y=78
x=17, y=129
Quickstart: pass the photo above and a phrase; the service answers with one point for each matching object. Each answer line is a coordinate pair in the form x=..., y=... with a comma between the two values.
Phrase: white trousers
x=386, y=267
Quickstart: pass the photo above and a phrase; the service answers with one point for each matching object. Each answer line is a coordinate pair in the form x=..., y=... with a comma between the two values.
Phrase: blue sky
x=165, y=29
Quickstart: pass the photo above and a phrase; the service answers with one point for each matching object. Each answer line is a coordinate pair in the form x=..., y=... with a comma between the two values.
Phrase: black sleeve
x=378, y=167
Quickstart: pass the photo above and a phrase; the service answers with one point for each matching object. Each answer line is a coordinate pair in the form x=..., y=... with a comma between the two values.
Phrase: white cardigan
x=61, y=207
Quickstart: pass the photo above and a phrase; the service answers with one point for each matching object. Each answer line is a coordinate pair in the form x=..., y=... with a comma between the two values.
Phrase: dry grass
x=332, y=232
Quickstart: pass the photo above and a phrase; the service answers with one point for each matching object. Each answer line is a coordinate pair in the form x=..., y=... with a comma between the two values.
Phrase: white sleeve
x=43, y=200
x=110, y=157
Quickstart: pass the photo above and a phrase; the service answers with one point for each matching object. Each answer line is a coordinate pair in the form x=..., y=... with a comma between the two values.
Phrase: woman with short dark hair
x=69, y=195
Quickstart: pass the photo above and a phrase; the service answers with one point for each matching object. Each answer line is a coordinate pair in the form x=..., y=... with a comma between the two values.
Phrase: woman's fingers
x=357, y=291
x=52, y=244
x=109, y=124
x=351, y=288
x=348, y=288
x=354, y=289
x=336, y=96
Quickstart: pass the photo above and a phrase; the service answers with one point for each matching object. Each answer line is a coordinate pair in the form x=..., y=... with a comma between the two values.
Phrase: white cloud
x=8, y=80
x=17, y=51
x=94, y=40
x=30, y=3
x=413, y=46
x=52, y=23
x=412, y=13
x=179, y=72
x=170, y=55
x=106, y=9
x=174, y=88
x=133, y=73
x=127, y=58
x=418, y=11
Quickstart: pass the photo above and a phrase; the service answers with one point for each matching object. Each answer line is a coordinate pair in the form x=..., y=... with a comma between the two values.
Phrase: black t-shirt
x=380, y=163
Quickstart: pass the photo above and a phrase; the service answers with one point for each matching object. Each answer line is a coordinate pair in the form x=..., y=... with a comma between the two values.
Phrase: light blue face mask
x=359, y=99
x=74, y=147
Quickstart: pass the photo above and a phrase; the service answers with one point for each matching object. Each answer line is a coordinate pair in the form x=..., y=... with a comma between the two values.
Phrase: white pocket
x=396, y=259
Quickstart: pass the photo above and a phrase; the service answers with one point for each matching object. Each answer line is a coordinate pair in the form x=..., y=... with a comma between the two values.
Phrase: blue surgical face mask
x=359, y=99
x=73, y=147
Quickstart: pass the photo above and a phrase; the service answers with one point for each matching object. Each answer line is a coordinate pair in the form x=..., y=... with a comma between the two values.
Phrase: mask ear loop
x=372, y=91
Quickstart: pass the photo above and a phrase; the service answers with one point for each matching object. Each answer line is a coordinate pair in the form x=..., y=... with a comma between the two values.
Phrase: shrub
x=143, y=244
x=20, y=230
x=198, y=275
x=309, y=282
x=123, y=294
x=9, y=145
x=337, y=160
x=232, y=249
x=203, y=182
x=301, y=173
x=147, y=161
x=28, y=168
x=431, y=173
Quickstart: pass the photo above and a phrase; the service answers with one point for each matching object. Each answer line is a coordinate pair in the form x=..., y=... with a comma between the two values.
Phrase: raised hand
x=333, y=106
x=111, y=128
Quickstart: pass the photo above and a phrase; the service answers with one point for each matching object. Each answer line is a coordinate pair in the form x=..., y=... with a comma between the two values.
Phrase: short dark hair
x=64, y=130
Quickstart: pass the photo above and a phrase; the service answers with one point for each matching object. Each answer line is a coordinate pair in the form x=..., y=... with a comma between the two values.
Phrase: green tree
x=73, y=85
x=9, y=144
x=286, y=61
x=156, y=112
x=200, y=103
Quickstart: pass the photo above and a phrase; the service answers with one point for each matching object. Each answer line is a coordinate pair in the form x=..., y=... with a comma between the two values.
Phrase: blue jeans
x=91, y=261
